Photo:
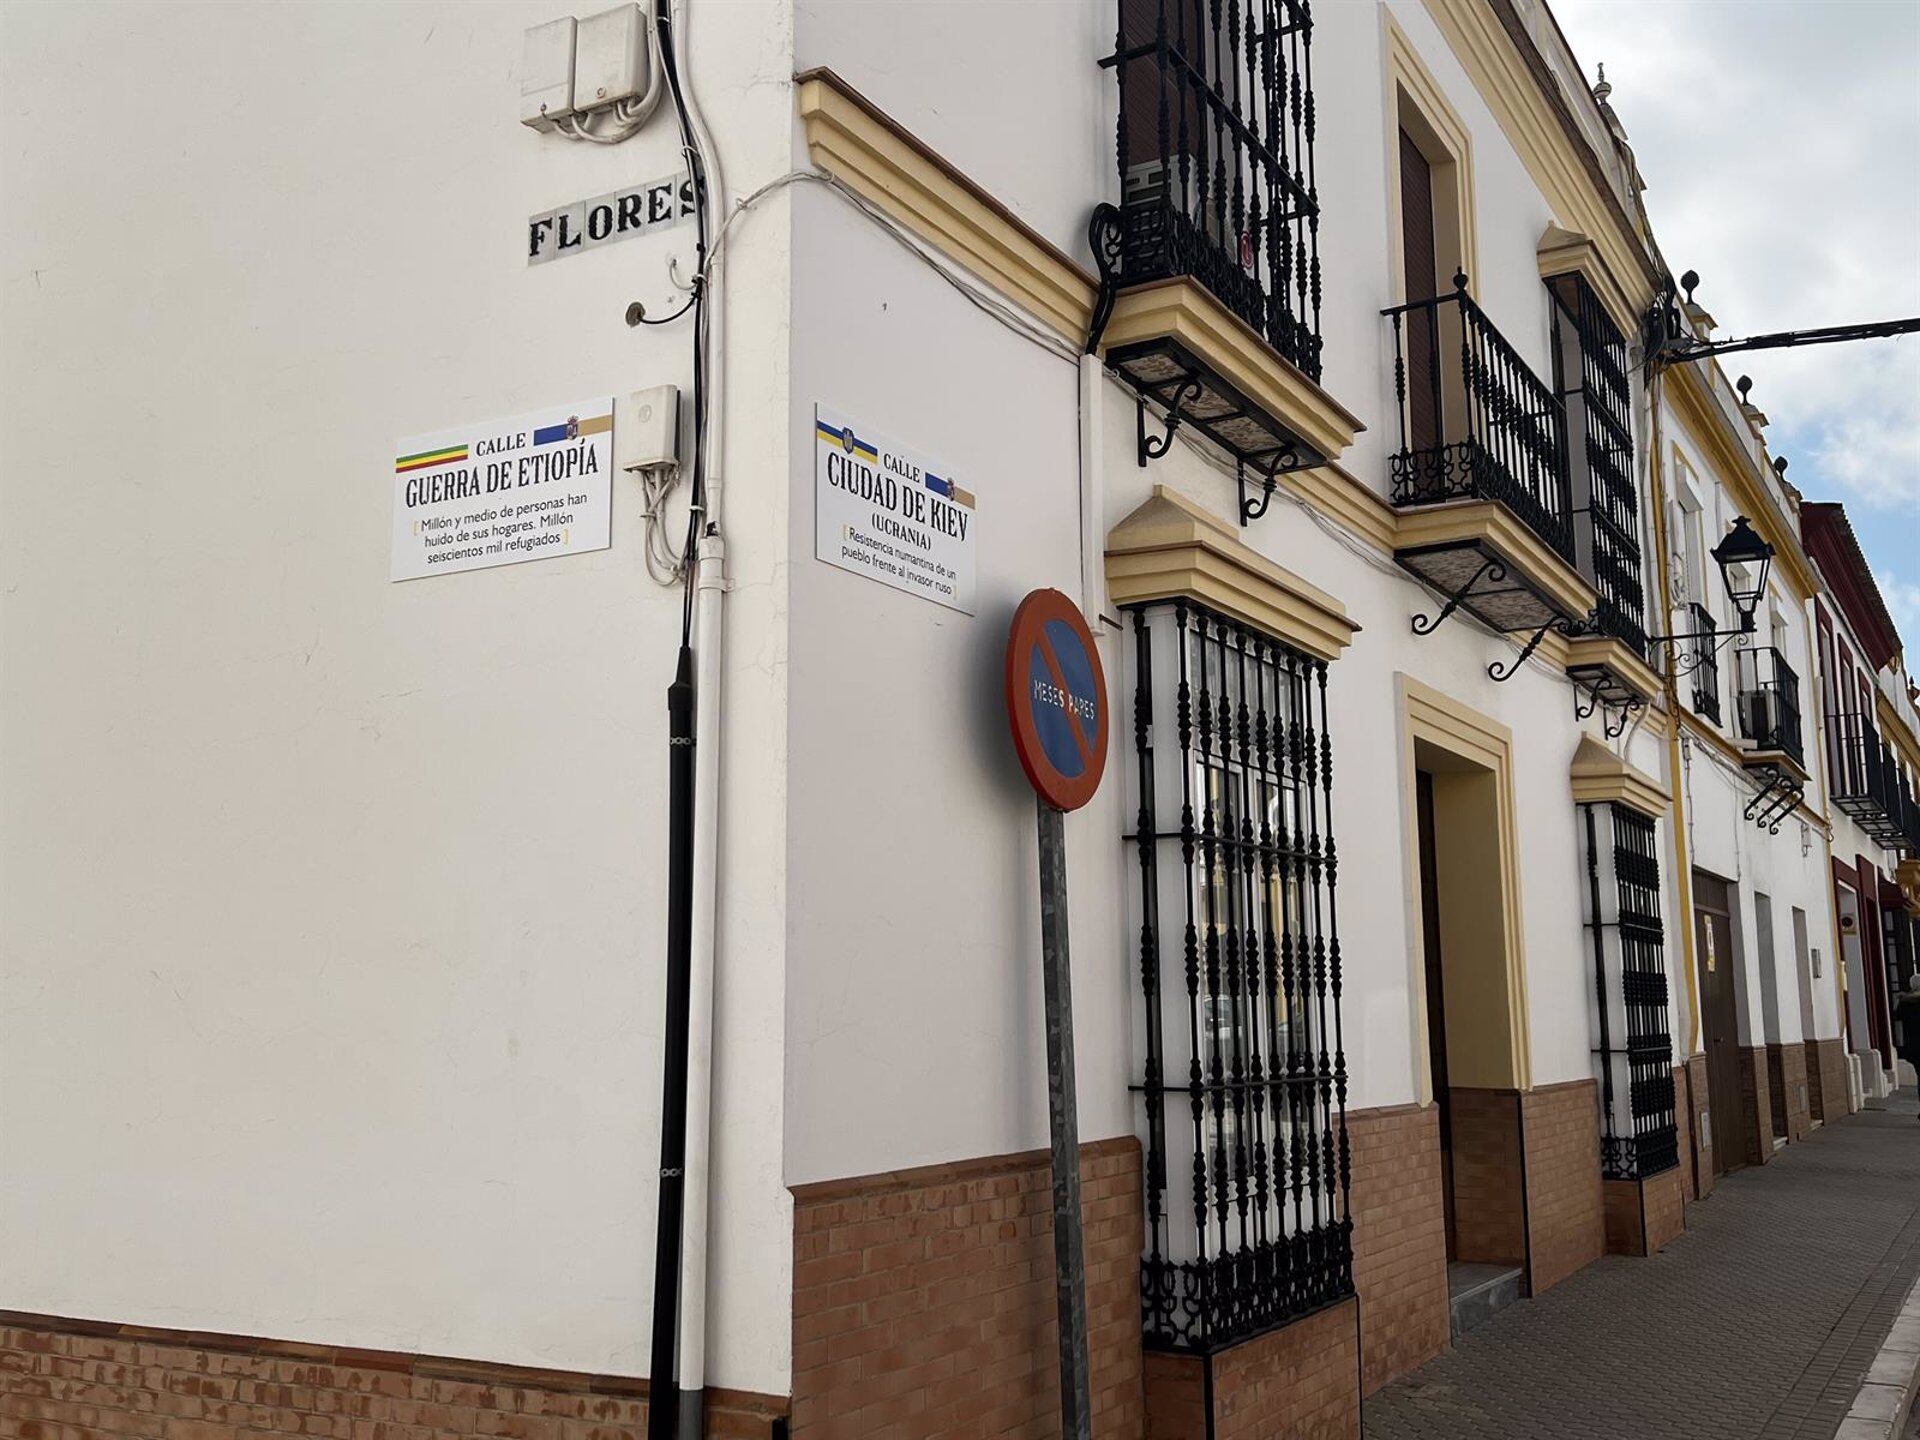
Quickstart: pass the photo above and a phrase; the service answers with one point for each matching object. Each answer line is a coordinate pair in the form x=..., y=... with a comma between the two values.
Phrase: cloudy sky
x=1780, y=144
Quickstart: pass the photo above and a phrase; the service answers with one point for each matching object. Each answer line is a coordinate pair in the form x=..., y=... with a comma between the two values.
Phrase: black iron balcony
x=1768, y=702
x=1867, y=783
x=1475, y=421
x=1215, y=145
x=1705, y=663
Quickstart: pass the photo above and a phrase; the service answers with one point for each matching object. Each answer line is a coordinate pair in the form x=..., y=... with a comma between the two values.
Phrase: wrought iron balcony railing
x=1215, y=144
x=1869, y=784
x=1768, y=701
x=1705, y=663
x=1475, y=421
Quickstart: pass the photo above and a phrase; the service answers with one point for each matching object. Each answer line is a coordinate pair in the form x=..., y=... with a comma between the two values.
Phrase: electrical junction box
x=546, y=73
x=648, y=433
x=609, y=57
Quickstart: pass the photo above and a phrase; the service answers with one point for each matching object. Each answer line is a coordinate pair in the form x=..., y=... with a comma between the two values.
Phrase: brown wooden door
x=1422, y=336
x=1436, y=992
x=1713, y=948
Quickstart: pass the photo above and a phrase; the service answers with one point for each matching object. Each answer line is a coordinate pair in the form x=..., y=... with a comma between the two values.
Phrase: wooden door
x=1720, y=1033
x=1436, y=991
x=1422, y=334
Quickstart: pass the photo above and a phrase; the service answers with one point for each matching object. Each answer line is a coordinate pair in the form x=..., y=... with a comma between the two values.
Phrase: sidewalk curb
x=1880, y=1407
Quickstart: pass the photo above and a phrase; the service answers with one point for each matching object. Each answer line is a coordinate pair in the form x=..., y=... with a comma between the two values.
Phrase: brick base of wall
x=1399, y=1240
x=1489, y=1196
x=1301, y=1381
x=67, y=1379
x=1643, y=1215
x=1566, y=1215
x=1789, y=1089
x=1828, y=1092
x=923, y=1299
x=1756, y=1105
x=1699, y=1128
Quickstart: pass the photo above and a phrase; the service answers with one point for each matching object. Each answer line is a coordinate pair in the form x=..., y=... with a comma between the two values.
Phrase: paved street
x=1757, y=1324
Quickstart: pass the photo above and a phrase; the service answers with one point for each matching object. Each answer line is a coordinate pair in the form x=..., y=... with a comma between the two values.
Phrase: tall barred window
x=1639, y=1137
x=1243, y=1099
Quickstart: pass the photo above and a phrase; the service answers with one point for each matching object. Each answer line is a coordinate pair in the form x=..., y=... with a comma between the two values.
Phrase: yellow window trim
x=1503, y=1049
x=1170, y=546
x=1409, y=79
x=1598, y=775
x=1567, y=252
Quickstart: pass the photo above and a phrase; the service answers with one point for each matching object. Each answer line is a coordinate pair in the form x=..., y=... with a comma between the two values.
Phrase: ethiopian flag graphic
x=446, y=454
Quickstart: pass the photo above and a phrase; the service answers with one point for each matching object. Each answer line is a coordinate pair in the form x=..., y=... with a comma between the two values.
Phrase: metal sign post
x=1063, y=1118
x=1057, y=707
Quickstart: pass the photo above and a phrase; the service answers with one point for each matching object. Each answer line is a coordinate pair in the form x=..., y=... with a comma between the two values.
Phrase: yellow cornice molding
x=858, y=143
x=1335, y=492
x=1527, y=117
x=1735, y=467
x=1170, y=546
x=1564, y=252
x=1491, y=522
x=1597, y=774
x=1183, y=309
x=1616, y=655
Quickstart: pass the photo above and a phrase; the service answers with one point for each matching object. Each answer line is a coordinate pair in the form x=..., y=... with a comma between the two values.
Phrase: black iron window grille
x=1591, y=379
x=1705, y=663
x=1768, y=699
x=1867, y=782
x=1243, y=1097
x=1215, y=143
x=1638, y=1134
x=1488, y=428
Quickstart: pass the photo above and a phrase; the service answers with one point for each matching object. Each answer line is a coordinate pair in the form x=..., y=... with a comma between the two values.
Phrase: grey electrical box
x=546, y=73
x=647, y=435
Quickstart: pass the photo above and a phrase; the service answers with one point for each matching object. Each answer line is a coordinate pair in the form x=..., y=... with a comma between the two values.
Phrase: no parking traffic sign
x=1057, y=706
x=1056, y=700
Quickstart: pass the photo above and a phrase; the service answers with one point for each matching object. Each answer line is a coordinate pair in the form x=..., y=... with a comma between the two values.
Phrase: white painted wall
x=332, y=926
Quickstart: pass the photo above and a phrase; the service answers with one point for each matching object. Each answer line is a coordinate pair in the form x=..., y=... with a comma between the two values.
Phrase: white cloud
x=1779, y=142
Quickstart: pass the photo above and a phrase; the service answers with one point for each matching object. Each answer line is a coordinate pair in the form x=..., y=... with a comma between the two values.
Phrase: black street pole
x=663, y=1394
x=1069, y=1258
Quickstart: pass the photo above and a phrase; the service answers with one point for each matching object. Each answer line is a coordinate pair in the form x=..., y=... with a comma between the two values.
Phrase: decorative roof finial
x=1601, y=89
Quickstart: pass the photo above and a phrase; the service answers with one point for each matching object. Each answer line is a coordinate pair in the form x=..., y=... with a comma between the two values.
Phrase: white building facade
x=1435, y=911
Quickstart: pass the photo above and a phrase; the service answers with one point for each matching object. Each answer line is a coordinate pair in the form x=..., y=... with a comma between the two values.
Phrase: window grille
x=1705, y=663
x=1590, y=376
x=1215, y=143
x=1243, y=1099
x=1638, y=1134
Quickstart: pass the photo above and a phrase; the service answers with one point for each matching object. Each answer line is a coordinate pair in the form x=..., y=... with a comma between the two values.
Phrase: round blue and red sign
x=1056, y=700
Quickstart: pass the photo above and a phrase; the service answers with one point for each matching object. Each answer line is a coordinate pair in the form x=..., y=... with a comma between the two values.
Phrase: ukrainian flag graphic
x=846, y=440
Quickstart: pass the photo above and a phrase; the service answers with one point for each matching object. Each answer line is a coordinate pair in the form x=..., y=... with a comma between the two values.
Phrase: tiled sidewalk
x=1757, y=1324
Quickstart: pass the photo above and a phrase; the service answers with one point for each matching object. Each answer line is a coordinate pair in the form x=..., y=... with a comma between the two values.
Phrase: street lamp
x=1744, y=560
